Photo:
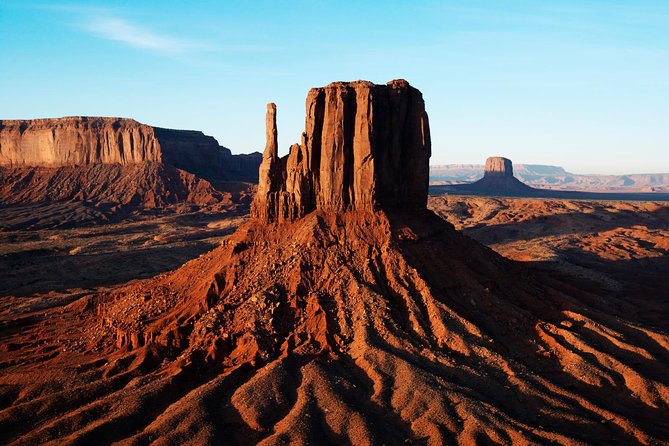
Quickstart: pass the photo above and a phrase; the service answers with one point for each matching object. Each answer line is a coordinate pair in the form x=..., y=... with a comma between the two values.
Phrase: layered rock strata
x=364, y=146
x=83, y=141
x=76, y=141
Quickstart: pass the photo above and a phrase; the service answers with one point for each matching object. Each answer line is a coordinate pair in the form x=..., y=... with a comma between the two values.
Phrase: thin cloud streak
x=120, y=30
x=105, y=23
x=110, y=27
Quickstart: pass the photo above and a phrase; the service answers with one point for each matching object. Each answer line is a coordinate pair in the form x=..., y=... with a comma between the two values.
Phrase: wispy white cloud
x=110, y=27
x=111, y=24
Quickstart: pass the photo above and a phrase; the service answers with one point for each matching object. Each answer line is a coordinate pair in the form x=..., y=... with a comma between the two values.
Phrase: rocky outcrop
x=498, y=179
x=497, y=166
x=83, y=141
x=364, y=146
x=76, y=141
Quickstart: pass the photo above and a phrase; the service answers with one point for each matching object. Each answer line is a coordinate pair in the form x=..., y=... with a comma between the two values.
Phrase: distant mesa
x=497, y=179
x=116, y=161
x=555, y=177
x=497, y=166
x=364, y=146
x=83, y=140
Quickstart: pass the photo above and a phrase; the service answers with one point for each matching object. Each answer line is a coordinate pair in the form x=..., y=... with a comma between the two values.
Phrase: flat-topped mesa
x=365, y=146
x=497, y=166
x=498, y=179
x=85, y=141
x=76, y=140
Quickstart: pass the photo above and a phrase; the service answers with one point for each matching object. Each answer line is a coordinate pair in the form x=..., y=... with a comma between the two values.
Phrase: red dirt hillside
x=147, y=185
x=343, y=312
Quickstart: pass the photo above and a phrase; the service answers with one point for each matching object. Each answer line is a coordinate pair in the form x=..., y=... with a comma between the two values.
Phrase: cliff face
x=76, y=141
x=201, y=154
x=82, y=141
x=497, y=166
x=364, y=146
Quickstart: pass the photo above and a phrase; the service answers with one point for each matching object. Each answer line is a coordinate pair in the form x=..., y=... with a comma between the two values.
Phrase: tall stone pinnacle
x=268, y=165
x=365, y=146
x=272, y=145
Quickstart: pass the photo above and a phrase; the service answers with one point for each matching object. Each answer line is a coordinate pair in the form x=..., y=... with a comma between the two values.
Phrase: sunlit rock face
x=76, y=141
x=364, y=146
x=85, y=141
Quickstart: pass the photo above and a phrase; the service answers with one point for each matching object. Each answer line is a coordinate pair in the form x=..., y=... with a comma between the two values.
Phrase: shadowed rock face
x=364, y=146
x=83, y=141
x=195, y=152
x=497, y=166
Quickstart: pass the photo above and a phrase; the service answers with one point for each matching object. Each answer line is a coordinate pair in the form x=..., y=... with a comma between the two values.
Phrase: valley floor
x=323, y=330
x=619, y=246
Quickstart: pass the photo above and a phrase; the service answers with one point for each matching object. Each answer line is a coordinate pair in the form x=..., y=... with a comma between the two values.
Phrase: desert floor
x=476, y=343
x=66, y=250
x=620, y=246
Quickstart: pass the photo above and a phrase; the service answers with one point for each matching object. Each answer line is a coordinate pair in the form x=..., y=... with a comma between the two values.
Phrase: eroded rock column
x=365, y=146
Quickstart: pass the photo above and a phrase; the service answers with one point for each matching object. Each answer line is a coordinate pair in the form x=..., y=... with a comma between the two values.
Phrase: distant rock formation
x=364, y=146
x=498, y=179
x=76, y=141
x=83, y=141
x=555, y=177
x=195, y=152
x=497, y=166
x=119, y=165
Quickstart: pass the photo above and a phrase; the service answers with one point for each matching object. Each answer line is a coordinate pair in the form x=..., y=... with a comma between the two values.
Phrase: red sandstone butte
x=364, y=146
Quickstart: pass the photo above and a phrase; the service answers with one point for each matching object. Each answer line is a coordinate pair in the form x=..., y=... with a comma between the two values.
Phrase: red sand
x=340, y=327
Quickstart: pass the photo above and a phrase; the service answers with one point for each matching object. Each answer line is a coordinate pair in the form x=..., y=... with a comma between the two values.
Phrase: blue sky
x=581, y=84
